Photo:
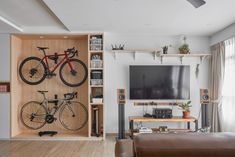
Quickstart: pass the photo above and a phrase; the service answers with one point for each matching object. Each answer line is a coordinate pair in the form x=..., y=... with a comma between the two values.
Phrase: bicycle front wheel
x=73, y=73
x=32, y=70
x=73, y=116
x=33, y=115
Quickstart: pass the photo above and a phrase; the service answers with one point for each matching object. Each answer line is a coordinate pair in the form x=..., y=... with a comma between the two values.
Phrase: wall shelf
x=93, y=51
x=202, y=56
x=133, y=51
x=96, y=68
x=96, y=118
x=156, y=54
x=96, y=86
x=96, y=103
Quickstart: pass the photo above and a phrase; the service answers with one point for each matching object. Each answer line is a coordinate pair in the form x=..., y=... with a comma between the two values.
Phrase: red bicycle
x=73, y=72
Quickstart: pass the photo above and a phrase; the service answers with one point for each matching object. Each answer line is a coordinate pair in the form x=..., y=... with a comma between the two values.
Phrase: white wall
x=4, y=57
x=223, y=34
x=4, y=76
x=4, y=116
x=117, y=72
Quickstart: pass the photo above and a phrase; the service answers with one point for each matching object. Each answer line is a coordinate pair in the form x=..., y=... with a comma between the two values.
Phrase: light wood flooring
x=20, y=148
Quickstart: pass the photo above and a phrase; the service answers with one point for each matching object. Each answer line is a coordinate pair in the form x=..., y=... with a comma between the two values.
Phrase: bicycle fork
x=70, y=108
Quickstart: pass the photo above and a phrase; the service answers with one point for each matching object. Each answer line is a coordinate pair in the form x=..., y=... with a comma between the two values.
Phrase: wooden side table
x=133, y=119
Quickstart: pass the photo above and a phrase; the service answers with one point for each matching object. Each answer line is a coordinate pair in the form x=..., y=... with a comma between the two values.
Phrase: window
x=228, y=90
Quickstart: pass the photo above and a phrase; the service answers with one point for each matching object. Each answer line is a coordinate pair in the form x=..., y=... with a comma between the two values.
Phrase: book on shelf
x=145, y=130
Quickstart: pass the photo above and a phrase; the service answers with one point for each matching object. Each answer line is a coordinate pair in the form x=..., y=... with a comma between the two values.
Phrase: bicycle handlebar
x=70, y=96
x=72, y=52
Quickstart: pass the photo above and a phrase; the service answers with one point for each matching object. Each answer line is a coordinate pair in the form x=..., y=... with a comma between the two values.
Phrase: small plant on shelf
x=185, y=107
x=165, y=49
x=184, y=48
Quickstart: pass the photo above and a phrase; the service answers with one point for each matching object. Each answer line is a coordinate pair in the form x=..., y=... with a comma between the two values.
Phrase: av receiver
x=162, y=113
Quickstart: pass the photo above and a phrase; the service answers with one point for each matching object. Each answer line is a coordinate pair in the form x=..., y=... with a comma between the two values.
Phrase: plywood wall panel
x=54, y=85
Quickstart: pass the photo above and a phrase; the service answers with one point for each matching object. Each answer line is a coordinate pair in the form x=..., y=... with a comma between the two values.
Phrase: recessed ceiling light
x=41, y=37
x=148, y=24
x=11, y=24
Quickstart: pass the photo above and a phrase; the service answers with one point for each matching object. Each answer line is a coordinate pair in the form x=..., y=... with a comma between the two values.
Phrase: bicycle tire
x=84, y=116
x=23, y=119
x=21, y=73
x=84, y=68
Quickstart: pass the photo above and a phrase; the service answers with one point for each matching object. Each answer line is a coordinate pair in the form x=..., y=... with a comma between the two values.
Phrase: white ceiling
x=158, y=17
x=28, y=14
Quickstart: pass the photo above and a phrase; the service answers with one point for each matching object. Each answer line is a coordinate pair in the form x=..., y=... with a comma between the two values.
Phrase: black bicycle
x=73, y=72
x=73, y=115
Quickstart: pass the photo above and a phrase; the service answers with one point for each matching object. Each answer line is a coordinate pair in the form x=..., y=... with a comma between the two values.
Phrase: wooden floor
x=21, y=148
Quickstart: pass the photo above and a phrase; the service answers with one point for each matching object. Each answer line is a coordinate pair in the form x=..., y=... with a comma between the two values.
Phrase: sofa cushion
x=185, y=145
x=124, y=148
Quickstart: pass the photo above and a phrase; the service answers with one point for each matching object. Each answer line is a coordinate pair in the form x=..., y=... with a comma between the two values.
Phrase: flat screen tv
x=160, y=82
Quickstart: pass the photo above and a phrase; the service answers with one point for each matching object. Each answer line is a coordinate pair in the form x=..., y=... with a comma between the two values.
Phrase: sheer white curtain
x=228, y=90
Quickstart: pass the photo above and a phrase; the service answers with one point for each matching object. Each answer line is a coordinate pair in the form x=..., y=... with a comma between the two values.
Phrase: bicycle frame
x=66, y=58
x=46, y=101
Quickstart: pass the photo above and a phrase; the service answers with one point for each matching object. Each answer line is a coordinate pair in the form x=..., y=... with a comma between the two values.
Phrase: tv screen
x=160, y=82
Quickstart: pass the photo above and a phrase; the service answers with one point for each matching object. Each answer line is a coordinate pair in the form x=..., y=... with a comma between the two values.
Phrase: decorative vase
x=186, y=115
x=165, y=49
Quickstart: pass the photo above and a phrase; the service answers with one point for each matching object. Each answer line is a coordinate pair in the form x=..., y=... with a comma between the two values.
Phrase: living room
x=117, y=78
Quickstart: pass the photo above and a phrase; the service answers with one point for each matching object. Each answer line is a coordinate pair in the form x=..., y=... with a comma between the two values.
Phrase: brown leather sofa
x=178, y=145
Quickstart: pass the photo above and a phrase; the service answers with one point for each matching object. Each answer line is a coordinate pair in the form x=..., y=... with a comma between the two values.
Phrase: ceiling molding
x=11, y=24
x=53, y=14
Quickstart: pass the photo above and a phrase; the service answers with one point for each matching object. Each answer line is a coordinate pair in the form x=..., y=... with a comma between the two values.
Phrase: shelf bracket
x=181, y=59
x=202, y=58
x=155, y=55
x=115, y=55
x=134, y=55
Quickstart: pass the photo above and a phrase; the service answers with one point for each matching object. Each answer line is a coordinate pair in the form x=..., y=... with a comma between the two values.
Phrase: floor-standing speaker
x=121, y=100
x=205, y=100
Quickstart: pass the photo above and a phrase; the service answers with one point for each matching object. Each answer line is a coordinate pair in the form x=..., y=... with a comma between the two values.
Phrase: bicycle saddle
x=42, y=91
x=43, y=48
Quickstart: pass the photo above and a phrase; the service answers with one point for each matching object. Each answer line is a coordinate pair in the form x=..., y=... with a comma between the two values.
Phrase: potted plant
x=185, y=107
x=184, y=48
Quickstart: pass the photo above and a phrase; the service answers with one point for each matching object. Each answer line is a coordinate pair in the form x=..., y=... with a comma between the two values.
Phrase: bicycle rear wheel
x=73, y=116
x=33, y=115
x=75, y=77
x=32, y=70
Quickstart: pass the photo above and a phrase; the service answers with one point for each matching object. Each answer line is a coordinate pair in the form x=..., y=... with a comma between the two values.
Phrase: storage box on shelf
x=96, y=85
x=96, y=42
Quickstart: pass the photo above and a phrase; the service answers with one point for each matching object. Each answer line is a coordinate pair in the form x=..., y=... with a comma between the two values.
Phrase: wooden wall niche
x=23, y=46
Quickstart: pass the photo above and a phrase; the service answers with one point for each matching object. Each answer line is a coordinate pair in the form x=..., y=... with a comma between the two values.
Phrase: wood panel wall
x=22, y=92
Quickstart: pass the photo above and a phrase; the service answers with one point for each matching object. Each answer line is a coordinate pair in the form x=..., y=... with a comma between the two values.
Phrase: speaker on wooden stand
x=121, y=100
x=205, y=100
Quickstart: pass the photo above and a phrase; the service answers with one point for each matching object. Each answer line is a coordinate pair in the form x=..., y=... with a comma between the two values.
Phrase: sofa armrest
x=124, y=148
